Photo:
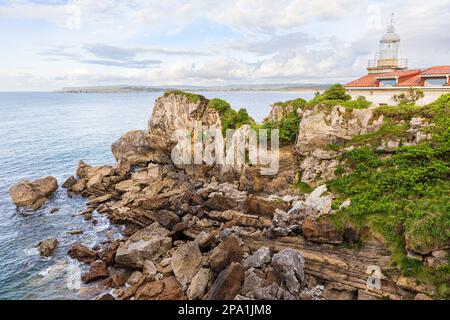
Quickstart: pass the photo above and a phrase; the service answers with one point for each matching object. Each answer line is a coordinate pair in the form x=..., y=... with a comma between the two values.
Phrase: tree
x=409, y=98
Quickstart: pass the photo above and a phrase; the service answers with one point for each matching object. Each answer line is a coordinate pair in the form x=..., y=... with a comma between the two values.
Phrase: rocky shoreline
x=228, y=232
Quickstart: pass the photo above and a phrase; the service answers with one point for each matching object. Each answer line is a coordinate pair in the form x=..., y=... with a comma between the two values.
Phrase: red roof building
x=389, y=75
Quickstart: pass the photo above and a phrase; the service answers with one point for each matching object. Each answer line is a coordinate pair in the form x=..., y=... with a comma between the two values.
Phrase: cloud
x=275, y=43
x=108, y=55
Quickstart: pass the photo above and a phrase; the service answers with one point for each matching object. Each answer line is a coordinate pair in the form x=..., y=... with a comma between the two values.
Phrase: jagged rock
x=186, y=261
x=322, y=126
x=106, y=297
x=263, y=207
x=33, y=194
x=228, y=283
x=318, y=201
x=82, y=253
x=221, y=203
x=259, y=259
x=272, y=292
x=226, y=252
x=251, y=283
x=133, y=147
x=167, y=218
x=109, y=253
x=320, y=232
x=289, y=264
x=69, y=183
x=240, y=218
x=205, y=239
x=421, y=296
x=412, y=285
x=199, y=284
x=165, y=289
x=148, y=243
x=47, y=247
x=98, y=270
x=79, y=186
x=149, y=269
x=127, y=186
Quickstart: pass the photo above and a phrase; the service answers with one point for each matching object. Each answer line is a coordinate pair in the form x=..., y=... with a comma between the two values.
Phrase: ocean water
x=47, y=134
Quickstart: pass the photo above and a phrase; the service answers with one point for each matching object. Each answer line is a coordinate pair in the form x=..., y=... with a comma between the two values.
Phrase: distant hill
x=245, y=87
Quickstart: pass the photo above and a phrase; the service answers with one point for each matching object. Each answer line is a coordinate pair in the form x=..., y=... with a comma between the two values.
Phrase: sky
x=50, y=44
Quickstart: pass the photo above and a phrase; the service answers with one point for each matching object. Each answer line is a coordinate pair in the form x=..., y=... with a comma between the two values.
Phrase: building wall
x=384, y=95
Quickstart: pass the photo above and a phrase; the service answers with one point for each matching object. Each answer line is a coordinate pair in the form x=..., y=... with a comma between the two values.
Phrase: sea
x=47, y=133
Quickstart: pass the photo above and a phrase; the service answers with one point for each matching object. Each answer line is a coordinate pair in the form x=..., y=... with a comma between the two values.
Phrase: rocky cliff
x=215, y=232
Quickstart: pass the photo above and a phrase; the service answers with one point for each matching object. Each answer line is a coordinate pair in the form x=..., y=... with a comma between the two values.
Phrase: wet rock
x=320, y=232
x=186, y=261
x=288, y=265
x=228, y=283
x=226, y=252
x=118, y=278
x=259, y=259
x=148, y=243
x=133, y=147
x=69, y=183
x=199, y=284
x=47, y=247
x=106, y=297
x=167, y=219
x=54, y=210
x=150, y=290
x=33, y=194
x=109, y=253
x=98, y=270
x=79, y=186
x=75, y=232
x=82, y=253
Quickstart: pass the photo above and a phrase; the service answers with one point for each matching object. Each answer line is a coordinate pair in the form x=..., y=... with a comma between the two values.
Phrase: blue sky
x=47, y=45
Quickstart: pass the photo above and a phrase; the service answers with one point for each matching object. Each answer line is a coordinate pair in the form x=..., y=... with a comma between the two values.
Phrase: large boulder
x=165, y=289
x=320, y=232
x=186, y=262
x=82, y=253
x=228, y=283
x=199, y=284
x=289, y=264
x=133, y=147
x=47, y=247
x=98, y=270
x=149, y=243
x=319, y=201
x=226, y=252
x=33, y=194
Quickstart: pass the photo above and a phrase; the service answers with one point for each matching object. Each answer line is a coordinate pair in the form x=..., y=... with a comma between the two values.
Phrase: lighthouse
x=386, y=59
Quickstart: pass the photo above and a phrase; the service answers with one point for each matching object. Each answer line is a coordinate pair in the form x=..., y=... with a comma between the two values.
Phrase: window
x=436, y=82
x=388, y=82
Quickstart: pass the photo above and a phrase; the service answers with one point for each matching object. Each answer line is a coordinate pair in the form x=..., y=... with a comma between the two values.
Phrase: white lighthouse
x=386, y=59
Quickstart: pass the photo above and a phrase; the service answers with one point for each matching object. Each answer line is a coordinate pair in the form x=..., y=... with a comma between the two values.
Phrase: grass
x=405, y=196
x=192, y=97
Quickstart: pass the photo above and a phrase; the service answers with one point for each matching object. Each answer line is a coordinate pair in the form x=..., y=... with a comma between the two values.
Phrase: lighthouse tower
x=386, y=59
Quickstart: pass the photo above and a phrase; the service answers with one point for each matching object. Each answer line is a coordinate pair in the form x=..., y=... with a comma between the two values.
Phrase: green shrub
x=192, y=97
x=230, y=119
x=411, y=189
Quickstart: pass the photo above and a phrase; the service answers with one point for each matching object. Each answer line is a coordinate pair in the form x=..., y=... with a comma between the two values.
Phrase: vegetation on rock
x=192, y=97
x=230, y=119
x=406, y=197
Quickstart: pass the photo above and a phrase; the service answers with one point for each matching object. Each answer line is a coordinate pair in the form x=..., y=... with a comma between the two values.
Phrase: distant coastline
x=231, y=88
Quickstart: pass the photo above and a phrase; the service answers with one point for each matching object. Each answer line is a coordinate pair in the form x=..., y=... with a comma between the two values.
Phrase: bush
x=192, y=97
x=230, y=119
x=411, y=189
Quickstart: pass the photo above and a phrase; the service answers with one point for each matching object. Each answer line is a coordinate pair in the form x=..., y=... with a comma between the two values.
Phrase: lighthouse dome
x=390, y=35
